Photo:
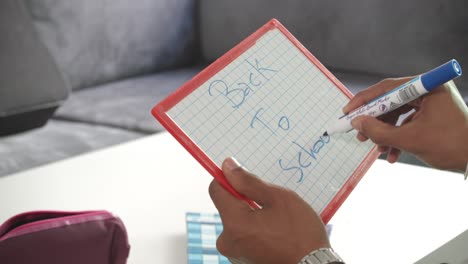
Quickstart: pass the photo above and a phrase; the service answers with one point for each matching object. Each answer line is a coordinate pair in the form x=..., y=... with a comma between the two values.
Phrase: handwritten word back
x=269, y=108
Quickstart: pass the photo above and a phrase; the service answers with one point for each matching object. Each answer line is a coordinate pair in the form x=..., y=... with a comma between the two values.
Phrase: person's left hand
x=284, y=231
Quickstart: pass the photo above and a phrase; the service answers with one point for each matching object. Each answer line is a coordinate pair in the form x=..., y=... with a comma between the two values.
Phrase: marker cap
x=441, y=75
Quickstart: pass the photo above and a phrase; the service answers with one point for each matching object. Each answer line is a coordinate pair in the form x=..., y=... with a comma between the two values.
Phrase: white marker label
x=391, y=100
x=383, y=104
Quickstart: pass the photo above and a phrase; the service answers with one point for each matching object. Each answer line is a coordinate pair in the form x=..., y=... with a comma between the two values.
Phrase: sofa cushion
x=391, y=38
x=31, y=86
x=125, y=104
x=56, y=141
x=96, y=41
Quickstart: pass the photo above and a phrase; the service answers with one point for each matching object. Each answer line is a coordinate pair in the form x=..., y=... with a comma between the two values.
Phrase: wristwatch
x=322, y=256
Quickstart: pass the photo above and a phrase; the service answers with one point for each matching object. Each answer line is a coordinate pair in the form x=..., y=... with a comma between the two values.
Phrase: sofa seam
x=79, y=121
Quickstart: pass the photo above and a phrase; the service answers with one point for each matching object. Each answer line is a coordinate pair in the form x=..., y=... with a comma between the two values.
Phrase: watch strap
x=322, y=256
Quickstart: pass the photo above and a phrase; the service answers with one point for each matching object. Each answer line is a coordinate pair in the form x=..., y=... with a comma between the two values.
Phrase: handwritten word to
x=283, y=122
x=237, y=93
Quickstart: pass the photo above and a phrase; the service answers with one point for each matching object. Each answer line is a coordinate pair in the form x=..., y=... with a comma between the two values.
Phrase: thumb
x=245, y=182
x=381, y=133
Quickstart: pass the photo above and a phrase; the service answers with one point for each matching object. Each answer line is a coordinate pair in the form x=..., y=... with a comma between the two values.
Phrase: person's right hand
x=437, y=133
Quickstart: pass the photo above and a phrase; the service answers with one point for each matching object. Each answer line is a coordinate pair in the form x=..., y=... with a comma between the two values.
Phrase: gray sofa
x=121, y=57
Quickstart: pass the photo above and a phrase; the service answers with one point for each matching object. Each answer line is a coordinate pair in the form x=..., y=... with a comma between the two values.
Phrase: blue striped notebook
x=202, y=231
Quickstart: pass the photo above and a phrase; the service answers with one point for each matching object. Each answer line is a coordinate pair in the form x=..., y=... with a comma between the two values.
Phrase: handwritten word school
x=304, y=156
x=236, y=95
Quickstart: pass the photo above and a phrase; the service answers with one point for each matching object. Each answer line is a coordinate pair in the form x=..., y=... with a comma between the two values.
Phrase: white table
x=397, y=214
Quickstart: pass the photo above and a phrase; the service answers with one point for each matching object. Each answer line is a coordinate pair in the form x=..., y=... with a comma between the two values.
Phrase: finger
x=408, y=119
x=246, y=183
x=224, y=245
x=373, y=92
x=393, y=155
x=225, y=202
x=416, y=103
x=361, y=137
x=382, y=149
x=378, y=131
x=393, y=116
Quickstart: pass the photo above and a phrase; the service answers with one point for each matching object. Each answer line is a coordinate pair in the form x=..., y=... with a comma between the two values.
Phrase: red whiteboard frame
x=161, y=109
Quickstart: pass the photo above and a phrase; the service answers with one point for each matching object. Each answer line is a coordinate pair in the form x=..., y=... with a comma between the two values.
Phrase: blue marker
x=400, y=96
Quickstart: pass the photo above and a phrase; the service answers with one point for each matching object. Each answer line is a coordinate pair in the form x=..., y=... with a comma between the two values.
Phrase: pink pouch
x=51, y=237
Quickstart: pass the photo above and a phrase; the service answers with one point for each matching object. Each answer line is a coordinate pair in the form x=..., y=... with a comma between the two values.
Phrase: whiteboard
x=267, y=102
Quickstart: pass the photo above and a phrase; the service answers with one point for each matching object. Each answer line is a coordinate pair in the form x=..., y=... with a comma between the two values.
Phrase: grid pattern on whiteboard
x=268, y=109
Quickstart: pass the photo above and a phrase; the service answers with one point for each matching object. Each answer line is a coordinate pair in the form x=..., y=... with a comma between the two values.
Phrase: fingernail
x=345, y=109
x=232, y=163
